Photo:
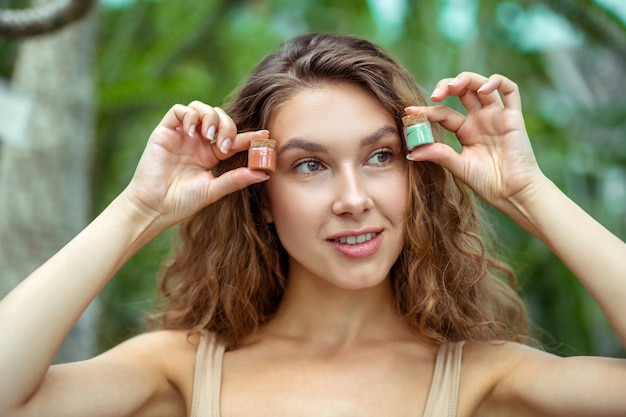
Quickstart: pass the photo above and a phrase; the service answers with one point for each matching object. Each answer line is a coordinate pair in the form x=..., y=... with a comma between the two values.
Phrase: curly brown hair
x=445, y=283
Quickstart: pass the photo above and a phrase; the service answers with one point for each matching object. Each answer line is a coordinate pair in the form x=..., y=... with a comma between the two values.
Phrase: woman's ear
x=267, y=214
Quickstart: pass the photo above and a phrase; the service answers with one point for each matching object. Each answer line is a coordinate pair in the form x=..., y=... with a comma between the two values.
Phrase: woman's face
x=339, y=193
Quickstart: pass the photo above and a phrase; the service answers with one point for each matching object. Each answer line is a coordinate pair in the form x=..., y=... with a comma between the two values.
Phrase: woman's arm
x=498, y=163
x=37, y=315
x=520, y=381
x=173, y=181
x=591, y=252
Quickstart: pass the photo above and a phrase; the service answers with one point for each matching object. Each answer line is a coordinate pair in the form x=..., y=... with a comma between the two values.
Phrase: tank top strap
x=444, y=389
x=207, y=378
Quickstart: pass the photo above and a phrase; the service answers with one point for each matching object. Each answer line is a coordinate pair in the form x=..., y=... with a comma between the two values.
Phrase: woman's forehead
x=329, y=110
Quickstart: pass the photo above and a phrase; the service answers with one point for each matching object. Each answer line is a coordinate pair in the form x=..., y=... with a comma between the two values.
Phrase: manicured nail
x=453, y=81
x=409, y=157
x=265, y=178
x=210, y=133
x=226, y=144
x=436, y=92
x=192, y=130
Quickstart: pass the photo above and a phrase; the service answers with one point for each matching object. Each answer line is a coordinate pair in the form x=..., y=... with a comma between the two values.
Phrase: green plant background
x=152, y=54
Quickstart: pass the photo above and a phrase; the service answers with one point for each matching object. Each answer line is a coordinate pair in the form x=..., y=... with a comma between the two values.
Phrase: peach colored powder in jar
x=262, y=155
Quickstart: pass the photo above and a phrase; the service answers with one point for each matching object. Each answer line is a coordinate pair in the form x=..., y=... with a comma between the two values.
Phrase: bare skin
x=354, y=356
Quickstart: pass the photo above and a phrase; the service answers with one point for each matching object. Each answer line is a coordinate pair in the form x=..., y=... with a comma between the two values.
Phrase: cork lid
x=262, y=143
x=412, y=119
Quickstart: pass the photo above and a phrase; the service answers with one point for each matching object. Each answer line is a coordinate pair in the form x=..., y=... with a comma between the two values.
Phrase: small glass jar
x=262, y=155
x=417, y=130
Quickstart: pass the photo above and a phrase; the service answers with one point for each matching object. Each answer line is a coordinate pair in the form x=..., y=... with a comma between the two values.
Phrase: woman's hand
x=173, y=179
x=497, y=160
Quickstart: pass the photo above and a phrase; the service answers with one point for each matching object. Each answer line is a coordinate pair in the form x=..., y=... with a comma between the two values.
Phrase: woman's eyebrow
x=299, y=143
x=378, y=135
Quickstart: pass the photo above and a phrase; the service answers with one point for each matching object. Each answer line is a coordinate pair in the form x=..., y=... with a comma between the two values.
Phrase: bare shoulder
x=493, y=361
x=163, y=351
x=160, y=344
x=501, y=378
x=148, y=375
x=483, y=367
x=500, y=356
x=168, y=354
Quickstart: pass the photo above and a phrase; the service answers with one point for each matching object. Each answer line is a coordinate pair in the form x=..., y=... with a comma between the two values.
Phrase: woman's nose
x=351, y=195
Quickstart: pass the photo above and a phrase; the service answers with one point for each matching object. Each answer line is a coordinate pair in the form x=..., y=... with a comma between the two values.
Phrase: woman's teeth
x=353, y=240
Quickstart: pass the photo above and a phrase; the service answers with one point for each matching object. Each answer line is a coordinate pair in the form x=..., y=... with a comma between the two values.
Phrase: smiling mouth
x=355, y=240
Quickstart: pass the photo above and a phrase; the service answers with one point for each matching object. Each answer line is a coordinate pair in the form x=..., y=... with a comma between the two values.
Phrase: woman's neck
x=318, y=312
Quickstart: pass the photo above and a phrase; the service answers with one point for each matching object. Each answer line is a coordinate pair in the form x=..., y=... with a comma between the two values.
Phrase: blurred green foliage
x=153, y=54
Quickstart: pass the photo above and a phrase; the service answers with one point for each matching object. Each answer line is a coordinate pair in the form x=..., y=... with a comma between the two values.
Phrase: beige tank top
x=442, y=396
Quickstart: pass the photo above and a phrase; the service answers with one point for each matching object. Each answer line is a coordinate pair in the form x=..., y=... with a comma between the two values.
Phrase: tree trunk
x=45, y=183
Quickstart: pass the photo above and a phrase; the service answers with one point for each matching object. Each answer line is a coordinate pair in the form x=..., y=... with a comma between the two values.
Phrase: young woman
x=352, y=281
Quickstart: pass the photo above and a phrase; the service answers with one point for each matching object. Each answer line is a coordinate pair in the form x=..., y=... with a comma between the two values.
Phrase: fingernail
x=226, y=144
x=436, y=92
x=409, y=157
x=192, y=130
x=210, y=133
x=265, y=178
x=453, y=81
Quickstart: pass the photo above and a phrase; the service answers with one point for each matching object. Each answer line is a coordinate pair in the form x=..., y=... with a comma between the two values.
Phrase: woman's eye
x=380, y=157
x=308, y=166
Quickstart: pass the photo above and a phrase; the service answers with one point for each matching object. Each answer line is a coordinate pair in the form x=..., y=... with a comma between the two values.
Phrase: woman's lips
x=352, y=240
x=357, y=246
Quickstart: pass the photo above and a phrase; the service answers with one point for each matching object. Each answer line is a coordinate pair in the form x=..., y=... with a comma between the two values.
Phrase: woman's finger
x=446, y=87
x=180, y=117
x=471, y=101
x=440, y=92
x=226, y=131
x=441, y=154
x=468, y=84
x=509, y=90
x=449, y=119
x=209, y=119
x=242, y=140
x=234, y=180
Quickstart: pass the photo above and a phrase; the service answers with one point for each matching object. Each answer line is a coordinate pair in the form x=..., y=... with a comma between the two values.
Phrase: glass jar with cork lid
x=262, y=155
x=417, y=130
